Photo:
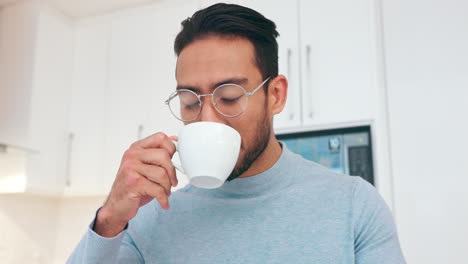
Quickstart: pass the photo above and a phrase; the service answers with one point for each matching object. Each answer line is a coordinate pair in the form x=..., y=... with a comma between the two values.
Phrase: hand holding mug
x=146, y=172
x=208, y=152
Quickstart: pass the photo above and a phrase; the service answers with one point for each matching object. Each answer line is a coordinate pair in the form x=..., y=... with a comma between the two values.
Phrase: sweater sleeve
x=375, y=235
x=94, y=248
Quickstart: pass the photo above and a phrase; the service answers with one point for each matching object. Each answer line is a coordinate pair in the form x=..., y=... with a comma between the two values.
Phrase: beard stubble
x=261, y=140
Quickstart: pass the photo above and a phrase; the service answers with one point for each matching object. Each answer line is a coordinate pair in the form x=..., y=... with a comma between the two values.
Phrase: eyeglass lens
x=229, y=100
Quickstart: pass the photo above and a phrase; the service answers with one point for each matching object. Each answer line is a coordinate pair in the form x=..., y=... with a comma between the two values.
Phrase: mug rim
x=201, y=123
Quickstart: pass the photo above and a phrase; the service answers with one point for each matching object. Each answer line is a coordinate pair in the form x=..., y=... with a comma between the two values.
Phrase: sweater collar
x=274, y=179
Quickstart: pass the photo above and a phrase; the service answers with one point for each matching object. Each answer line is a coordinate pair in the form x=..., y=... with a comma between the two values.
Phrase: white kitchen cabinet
x=123, y=72
x=141, y=77
x=44, y=94
x=18, y=26
x=338, y=61
x=129, y=77
x=50, y=101
x=88, y=108
x=327, y=52
x=331, y=81
x=166, y=24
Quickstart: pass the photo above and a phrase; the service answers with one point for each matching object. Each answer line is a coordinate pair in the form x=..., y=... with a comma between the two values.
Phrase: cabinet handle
x=288, y=63
x=308, y=86
x=140, y=131
x=70, y=139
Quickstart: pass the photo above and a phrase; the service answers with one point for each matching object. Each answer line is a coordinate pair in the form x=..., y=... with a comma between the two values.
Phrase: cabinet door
x=166, y=24
x=126, y=100
x=48, y=129
x=338, y=61
x=166, y=18
x=141, y=77
x=18, y=24
x=284, y=14
x=87, y=108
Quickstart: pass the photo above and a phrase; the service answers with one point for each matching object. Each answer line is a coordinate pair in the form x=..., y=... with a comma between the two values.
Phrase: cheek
x=247, y=129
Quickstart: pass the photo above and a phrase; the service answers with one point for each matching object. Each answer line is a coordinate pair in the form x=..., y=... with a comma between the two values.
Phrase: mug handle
x=177, y=165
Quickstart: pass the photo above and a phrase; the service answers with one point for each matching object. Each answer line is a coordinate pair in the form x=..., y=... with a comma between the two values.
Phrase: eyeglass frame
x=199, y=96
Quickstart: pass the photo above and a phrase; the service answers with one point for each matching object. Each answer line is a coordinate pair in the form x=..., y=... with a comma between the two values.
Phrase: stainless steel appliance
x=345, y=150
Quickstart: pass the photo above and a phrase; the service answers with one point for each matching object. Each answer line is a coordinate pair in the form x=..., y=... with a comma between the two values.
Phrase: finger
x=159, y=157
x=155, y=174
x=175, y=138
x=158, y=140
x=147, y=187
x=168, y=145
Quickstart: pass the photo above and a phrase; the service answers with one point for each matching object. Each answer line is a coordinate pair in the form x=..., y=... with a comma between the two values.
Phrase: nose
x=208, y=112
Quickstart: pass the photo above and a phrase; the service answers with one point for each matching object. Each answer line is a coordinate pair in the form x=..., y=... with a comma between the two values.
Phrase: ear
x=277, y=94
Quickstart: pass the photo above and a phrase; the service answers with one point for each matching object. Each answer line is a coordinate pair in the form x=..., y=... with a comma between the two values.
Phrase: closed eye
x=192, y=106
x=230, y=100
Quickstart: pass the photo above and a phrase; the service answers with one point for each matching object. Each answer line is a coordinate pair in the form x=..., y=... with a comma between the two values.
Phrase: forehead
x=213, y=59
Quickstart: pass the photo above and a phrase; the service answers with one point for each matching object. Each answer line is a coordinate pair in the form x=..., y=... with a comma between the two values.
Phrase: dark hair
x=232, y=20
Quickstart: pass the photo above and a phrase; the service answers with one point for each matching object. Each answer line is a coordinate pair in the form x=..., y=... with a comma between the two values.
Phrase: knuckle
x=128, y=165
x=130, y=153
x=160, y=136
x=156, y=177
x=134, y=144
x=161, y=175
x=132, y=179
x=163, y=180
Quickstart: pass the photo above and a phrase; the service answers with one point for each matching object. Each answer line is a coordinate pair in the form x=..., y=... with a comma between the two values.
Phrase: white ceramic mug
x=208, y=152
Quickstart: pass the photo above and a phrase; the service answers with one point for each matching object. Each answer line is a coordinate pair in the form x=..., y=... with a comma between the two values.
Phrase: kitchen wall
x=38, y=229
x=41, y=229
x=427, y=80
x=29, y=228
x=74, y=216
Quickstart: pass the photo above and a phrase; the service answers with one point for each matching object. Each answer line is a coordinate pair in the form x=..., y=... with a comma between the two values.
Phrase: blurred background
x=378, y=89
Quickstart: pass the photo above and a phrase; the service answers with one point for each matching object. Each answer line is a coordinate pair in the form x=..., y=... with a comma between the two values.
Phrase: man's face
x=209, y=62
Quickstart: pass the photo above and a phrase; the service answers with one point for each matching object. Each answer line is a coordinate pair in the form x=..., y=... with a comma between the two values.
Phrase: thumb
x=175, y=138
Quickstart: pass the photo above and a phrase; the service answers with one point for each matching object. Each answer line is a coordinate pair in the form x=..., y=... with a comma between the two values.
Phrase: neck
x=267, y=159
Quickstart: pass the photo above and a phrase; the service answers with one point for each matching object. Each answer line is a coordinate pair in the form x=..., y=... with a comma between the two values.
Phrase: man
x=275, y=207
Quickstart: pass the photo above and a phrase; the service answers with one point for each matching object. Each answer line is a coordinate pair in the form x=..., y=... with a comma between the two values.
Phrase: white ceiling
x=83, y=8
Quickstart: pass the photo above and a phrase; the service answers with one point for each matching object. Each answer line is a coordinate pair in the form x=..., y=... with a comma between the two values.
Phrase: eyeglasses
x=230, y=100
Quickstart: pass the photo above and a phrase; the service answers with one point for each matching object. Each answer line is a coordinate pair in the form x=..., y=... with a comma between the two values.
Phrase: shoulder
x=369, y=206
x=315, y=175
x=315, y=180
x=321, y=179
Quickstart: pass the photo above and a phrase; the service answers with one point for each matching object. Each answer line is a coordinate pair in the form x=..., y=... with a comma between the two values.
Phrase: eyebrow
x=238, y=81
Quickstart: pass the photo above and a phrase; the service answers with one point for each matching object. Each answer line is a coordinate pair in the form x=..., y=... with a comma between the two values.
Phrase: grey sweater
x=295, y=212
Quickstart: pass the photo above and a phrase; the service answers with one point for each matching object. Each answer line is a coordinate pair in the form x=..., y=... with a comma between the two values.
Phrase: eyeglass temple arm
x=201, y=95
x=258, y=87
x=170, y=98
